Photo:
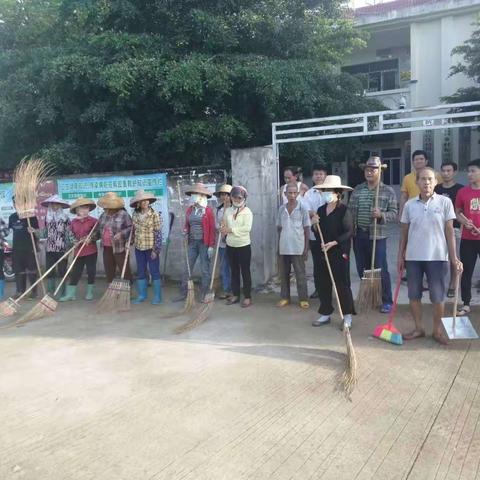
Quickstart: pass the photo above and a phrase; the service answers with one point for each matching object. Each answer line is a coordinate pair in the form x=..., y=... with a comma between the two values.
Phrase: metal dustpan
x=458, y=328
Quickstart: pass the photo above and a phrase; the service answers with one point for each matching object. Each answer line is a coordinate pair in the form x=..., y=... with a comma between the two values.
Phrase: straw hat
x=82, y=202
x=199, y=188
x=111, y=200
x=373, y=162
x=225, y=188
x=55, y=199
x=142, y=195
x=332, y=182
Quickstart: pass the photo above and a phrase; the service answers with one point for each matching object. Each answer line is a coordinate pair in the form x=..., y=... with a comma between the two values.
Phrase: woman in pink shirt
x=81, y=227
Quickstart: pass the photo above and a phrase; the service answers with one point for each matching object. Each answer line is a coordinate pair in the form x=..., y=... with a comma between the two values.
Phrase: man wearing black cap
x=362, y=206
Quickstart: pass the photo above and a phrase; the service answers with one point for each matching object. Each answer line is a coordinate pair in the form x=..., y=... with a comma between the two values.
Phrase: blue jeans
x=196, y=249
x=225, y=270
x=362, y=246
x=144, y=262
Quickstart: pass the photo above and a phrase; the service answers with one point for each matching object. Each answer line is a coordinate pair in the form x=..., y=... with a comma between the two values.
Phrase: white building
x=407, y=64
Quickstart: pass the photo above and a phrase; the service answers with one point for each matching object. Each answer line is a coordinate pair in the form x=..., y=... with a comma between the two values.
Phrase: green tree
x=99, y=85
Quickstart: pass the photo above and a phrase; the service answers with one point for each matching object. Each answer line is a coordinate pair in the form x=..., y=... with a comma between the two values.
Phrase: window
x=392, y=158
x=376, y=76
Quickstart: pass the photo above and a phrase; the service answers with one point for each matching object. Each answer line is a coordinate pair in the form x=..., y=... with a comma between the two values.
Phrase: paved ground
x=248, y=395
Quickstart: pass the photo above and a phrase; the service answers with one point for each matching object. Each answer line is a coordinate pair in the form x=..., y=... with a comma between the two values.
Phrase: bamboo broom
x=48, y=305
x=117, y=296
x=27, y=178
x=370, y=290
x=207, y=307
x=10, y=306
x=349, y=377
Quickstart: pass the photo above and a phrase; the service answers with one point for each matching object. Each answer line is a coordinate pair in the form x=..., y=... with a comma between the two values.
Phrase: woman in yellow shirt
x=237, y=224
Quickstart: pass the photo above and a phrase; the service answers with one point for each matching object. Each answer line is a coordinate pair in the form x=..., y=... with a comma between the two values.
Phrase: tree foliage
x=121, y=84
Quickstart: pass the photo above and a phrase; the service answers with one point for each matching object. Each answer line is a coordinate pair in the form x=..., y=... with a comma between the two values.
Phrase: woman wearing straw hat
x=223, y=195
x=57, y=229
x=114, y=226
x=200, y=230
x=80, y=227
x=148, y=243
x=237, y=226
x=336, y=224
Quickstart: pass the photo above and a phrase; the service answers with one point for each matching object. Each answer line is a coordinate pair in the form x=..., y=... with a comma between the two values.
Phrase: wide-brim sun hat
x=142, y=195
x=225, y=188
x=111, y=200
x=82, y=202
x=332, y=182
x=55, y=199
x=198, y=188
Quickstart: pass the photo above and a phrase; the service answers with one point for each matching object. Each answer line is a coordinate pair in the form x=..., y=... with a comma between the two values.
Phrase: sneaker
x=347, y=321
x=386, y=308
x=283, y=303
x=323, y=320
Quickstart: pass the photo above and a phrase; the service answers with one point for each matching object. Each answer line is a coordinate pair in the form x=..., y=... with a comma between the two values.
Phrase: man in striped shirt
x=362, y=206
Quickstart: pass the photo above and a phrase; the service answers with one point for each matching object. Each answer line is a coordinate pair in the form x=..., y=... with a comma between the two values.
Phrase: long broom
x=27, y=178
x=370, y=291
x=48, y=305
x=349, y=377
x=11, y=306
x=207, y=307
x=388, y=331
x=117, y=296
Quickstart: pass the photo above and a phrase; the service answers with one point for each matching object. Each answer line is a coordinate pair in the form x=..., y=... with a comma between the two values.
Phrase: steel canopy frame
x=436, y=117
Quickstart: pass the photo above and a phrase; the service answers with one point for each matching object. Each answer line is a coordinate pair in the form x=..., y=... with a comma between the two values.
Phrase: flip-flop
x=246, y=303
x=414, y=334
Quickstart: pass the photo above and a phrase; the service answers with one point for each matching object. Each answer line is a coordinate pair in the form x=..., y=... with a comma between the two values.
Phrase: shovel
x=458, y=328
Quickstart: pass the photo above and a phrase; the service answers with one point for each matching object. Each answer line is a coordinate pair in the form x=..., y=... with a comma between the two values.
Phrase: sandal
x=246, y=303
x=233, y=300
x=414, y=334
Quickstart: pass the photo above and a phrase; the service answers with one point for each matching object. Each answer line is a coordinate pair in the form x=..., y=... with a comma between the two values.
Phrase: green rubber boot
x=89, y=295
x=71, y=292
x=51, y=285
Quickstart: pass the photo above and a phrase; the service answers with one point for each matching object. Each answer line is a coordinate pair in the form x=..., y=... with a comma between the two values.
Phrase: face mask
x=329, y=197
x=200, y=200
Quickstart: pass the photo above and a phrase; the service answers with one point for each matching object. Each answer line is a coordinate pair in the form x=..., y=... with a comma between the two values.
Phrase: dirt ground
x=248, y=395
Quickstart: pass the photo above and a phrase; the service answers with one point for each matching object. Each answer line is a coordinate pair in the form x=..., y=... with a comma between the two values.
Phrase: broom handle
x=127, y=252
x=395, y=298
x=455, y=302
x=374, y=247
x=80, y=250
x=36, y=256
x=215, y=260
x=330, y=270
x=33, y=285
x=185, y=240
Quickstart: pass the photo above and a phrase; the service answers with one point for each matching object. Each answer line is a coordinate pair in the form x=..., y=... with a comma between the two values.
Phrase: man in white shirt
x=313, y=200
x=427, y=244
x=293, y=225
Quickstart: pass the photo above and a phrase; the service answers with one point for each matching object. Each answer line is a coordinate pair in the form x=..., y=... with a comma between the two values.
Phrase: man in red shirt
x=467, y=208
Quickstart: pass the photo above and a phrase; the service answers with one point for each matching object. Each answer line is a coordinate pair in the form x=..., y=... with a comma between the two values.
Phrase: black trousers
x=2, y=259
x=240, y=258
x=469, y=251
x=316, y=249
x=24, y=266
x=340, y=271
x=89, y=261
x=50, y=259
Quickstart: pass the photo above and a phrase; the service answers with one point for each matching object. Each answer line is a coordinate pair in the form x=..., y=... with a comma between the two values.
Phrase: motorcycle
x=8, y=262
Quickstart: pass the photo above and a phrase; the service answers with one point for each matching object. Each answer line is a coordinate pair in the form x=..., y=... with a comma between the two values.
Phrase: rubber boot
x=2, y=289
x=89, y=295
x=157, y=292
x=142, y=286
x=71, y=292
x=50, y=285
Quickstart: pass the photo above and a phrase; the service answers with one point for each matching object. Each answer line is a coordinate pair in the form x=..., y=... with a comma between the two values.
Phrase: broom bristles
x=27, y=177
x=116, y=298
x=8, y=308
x=369, y=294
x=46, y=306
x=200, y=318
x=348, y=379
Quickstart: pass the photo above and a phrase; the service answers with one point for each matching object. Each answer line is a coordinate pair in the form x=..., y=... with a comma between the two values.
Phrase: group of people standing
x=434, y=211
